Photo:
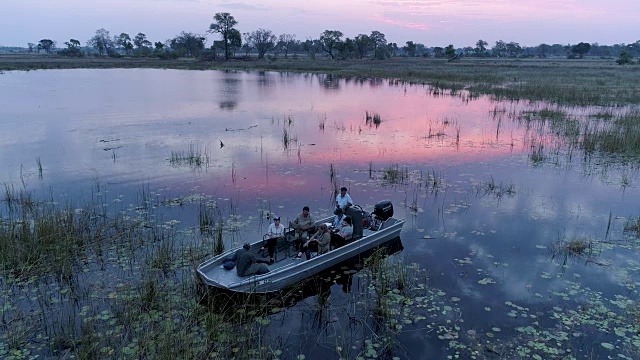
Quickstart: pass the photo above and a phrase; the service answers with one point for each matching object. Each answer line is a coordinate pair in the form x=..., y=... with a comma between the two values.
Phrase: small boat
x=369, y=231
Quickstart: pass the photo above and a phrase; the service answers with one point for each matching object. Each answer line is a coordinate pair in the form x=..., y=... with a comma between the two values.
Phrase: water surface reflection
x=487, y=192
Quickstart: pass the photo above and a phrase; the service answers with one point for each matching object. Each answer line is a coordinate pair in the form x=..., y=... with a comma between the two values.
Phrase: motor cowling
x=383, y=210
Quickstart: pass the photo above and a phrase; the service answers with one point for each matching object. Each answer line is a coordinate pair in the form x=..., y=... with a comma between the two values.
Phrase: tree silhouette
x=224, y=25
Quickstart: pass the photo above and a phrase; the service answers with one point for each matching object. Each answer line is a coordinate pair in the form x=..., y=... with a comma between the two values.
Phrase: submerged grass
x=395, y=175
x=127, y=290
x=498, y=190
x=194, y=157
x=372, y=118
x=633, y=226
x=620, y=136
x=96, y=284
x=577, y=246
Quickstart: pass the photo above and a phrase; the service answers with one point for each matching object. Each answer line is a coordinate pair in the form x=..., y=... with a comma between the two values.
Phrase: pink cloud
x=404, y=24
x=506, y=9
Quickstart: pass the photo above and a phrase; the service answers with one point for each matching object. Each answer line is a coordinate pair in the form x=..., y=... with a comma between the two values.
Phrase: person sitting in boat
x=303, y=225
x=343, y=233
x=343, y=200
x=338, y=219
x=274, y=234
x=320, y=241
x=248, y=263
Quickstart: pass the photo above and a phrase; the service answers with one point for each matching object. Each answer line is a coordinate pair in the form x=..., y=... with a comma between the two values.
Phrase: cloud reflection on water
x=68, y=118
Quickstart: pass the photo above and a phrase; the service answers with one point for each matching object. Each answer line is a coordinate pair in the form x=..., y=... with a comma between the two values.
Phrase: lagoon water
x=487, y=196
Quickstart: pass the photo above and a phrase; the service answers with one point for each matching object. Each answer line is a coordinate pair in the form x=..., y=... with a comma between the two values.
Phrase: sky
x=430, y=22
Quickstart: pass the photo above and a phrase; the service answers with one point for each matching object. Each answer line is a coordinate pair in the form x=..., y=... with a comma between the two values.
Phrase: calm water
x=484, y=233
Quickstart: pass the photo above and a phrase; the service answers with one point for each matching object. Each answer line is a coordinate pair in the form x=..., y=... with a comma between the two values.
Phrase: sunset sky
x=431, y=22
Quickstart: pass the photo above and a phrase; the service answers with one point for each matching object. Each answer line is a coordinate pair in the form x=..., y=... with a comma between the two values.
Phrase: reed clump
x=194, y=157
x=491, y=187
x=395, y=175
x=285, y=138
x=633, y=226
x=619, y=136
x=372, y=118
x=576, y=246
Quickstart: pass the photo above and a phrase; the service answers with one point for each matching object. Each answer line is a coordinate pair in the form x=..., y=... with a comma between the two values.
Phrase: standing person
x=345, y=232
x=321, y=239
x=248, y=263
x=274, y=234
x=303, y=226
x=343, y=200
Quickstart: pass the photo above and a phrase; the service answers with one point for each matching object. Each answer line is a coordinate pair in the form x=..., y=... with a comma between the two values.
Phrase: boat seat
x=283, y=250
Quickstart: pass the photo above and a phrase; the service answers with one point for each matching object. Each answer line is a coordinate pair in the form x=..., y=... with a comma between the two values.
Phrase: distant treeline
x=332, y=44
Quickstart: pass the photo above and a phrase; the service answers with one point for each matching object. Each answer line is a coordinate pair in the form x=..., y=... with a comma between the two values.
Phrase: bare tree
x=247, y=44
x=263, y=40
x=286, y=42
x=102, y=42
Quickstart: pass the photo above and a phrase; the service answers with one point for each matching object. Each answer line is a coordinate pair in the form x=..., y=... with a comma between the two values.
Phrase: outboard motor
x=383, y=210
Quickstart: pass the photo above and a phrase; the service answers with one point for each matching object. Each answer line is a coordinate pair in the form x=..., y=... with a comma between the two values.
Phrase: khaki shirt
x=302, y=221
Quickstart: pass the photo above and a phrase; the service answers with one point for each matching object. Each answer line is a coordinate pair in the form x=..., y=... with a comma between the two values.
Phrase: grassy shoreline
x=586, y=82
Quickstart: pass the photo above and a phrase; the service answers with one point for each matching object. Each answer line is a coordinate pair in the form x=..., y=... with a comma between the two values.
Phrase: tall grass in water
x=206, y=218
x=100, y=284
x=219, y=246
x=194, y=157
x=587, y=82
x=285, y=138
x=322, y=121
x=537, y=153
x=620, y=136
x=633, y=226
x=395, y=175
x=490, y=187
x=387, y=287
x=39, y=163
x=143, y=303
x=372, y=118
x=577, y=246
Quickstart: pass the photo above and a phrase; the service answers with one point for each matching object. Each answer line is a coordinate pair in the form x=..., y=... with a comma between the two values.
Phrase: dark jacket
x=247, y=263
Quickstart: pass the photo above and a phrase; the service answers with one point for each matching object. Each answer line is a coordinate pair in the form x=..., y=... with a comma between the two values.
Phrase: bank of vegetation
x=578, y=74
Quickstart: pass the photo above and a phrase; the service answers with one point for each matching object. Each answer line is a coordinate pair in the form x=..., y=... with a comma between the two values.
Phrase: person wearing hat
x=338, y=219
x=344, y=233
x=249, y=263
x=343, y=200
x=274, y=234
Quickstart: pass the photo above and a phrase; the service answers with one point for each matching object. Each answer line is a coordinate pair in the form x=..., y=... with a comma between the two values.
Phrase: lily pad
x=607, y=346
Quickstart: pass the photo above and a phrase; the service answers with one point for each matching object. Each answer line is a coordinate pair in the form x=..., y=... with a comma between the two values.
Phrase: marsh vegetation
x=587, y=82
x=522, y=222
